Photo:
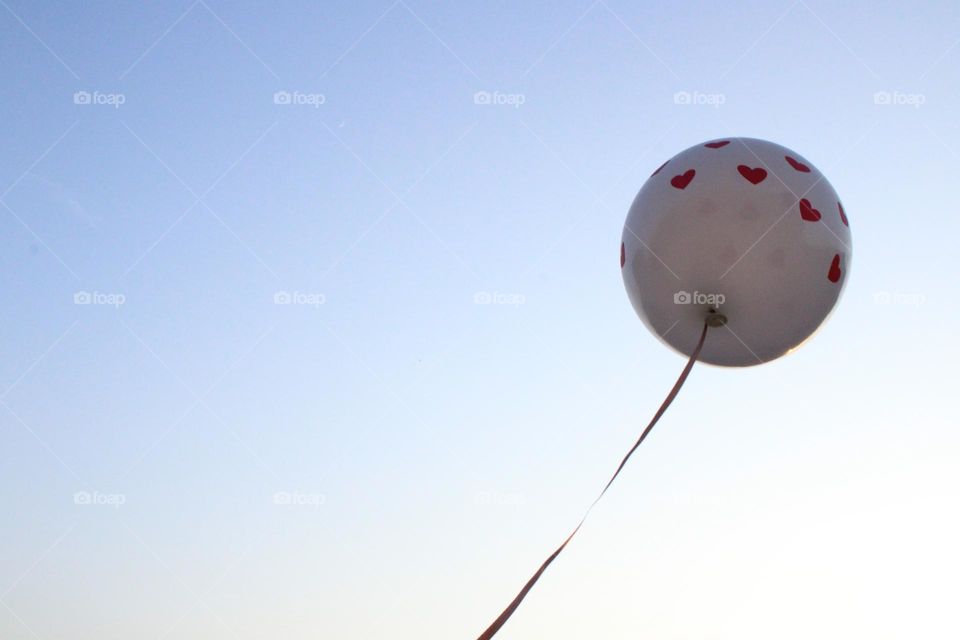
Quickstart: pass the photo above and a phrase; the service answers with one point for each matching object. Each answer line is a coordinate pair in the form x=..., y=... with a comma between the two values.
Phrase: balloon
x=745, y=234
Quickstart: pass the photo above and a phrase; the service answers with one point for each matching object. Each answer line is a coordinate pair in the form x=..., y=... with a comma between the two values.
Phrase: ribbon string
x=503, y=617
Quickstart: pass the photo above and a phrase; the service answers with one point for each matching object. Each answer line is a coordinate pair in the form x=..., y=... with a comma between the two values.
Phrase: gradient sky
x=183, y=458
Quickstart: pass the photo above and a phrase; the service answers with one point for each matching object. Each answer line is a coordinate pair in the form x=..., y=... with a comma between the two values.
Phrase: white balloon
x=746, y=228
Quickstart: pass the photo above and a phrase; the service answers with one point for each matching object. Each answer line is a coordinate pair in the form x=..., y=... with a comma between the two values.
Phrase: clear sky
x=187, y=457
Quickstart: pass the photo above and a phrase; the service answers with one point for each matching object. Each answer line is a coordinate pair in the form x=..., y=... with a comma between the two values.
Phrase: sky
x=313, y=324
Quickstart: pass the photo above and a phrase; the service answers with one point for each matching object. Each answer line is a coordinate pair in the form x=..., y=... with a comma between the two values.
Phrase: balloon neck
x=715, y=318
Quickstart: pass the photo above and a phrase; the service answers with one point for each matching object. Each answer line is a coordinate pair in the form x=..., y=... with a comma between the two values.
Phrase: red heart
x=681, y=181
x=807, y=212
x=658, y=169
x=799, y=166
x=843, y=216
x=717, y=145
x=834, y=274
x=755, y=176
x=623, y=255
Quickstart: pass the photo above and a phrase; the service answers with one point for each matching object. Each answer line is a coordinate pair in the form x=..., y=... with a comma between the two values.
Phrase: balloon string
x=503, y=617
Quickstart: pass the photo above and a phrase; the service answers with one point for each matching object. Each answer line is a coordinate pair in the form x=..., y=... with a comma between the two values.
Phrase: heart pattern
x=807, y=212
x=754, y=175
x=834, y=274
x=796, y=164
x=681, y=181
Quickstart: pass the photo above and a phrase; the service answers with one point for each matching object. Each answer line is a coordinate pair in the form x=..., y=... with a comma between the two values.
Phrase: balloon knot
x=715, y=318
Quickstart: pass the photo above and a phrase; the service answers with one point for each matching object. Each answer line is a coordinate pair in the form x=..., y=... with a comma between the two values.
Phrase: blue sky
x=382, y=457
